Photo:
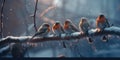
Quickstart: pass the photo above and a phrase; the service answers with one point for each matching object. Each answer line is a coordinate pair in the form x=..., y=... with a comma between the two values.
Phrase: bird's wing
x=107, y=23
x=62, y=30
x=74, y=28
x=41, y=31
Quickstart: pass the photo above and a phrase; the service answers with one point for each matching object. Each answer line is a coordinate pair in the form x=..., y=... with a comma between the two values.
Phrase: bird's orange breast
x=56, y=27
x=66, y=27
x=100, y=21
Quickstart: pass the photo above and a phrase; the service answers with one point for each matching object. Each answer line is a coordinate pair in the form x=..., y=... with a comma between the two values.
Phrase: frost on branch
x=77, y=35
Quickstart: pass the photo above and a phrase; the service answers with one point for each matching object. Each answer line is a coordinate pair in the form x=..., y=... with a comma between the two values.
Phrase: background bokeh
x=18, y=21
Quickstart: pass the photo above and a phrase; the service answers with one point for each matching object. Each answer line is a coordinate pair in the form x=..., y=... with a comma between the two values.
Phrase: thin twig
x=2, y=8
x=35, y=15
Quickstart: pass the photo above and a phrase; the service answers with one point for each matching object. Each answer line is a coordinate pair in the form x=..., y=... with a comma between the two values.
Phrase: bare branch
x=35, y=15
x=42, y=15
x=1, y=18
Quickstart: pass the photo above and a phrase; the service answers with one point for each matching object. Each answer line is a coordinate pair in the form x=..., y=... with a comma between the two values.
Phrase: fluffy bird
x=84, y=27
x=43, y=31
x=58, y=30
x=101, y=24
x=69, y=27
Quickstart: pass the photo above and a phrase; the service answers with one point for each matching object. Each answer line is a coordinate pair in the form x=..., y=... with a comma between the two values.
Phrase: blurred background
x=18, y=21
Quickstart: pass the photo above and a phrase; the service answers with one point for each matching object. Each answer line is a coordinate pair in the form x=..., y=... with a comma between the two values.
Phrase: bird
x=84, y=26
x=58, y=30
x=43, y=31
x=101, y=24
x=69, y=27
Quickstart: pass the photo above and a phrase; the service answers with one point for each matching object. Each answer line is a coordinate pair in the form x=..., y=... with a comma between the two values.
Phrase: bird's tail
x=33, y=37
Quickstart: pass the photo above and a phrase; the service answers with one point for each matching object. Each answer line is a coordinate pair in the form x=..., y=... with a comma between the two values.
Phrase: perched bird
x=43, y=31
x=58, y=30
x=84, y=27
x=69, y=27
x=101, y=24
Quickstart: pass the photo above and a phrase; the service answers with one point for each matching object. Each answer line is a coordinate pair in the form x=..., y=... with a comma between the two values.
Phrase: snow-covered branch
x=77, y=35
x=5, y=47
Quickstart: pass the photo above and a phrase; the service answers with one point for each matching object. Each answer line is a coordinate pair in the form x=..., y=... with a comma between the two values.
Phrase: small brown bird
x=43, y=31
x=101, y=24
x=84, y=26
x=69, y=27
x=58, y=30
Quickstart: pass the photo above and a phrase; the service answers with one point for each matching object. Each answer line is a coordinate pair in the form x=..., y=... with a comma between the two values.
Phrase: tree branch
x=45, y=12
x=35, y=15
x=77, y=35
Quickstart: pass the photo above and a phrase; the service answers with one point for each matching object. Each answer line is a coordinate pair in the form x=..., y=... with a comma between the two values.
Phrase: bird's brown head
x=47, y=25
x=83, y=20
x=56, y=25
x=101, y=19
x=67, y=23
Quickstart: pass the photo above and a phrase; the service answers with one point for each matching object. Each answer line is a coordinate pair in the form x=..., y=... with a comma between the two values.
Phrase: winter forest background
x=18, y=21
